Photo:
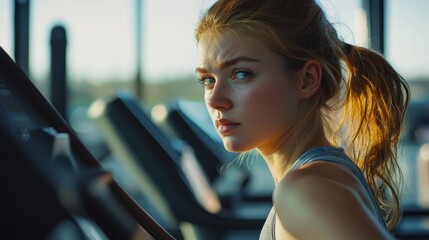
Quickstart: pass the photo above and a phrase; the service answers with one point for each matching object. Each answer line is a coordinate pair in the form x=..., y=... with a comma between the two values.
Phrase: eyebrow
x=230, y=62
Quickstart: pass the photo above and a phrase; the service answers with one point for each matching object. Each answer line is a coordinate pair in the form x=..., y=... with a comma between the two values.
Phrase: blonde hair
x=371, y=95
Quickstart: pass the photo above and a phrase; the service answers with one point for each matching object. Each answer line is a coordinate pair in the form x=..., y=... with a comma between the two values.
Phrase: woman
x=326, y=116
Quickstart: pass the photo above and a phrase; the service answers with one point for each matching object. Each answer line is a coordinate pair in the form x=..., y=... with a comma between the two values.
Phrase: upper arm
x=314, y=207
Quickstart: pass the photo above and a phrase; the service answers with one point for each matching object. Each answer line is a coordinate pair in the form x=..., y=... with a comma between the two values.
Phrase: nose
x=219, y=97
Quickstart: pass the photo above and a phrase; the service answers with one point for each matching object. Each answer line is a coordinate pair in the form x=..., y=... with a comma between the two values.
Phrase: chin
x=232, y=145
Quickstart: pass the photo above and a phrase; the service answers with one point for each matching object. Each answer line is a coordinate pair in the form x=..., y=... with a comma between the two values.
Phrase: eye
x=241, y=75
x=206, y=81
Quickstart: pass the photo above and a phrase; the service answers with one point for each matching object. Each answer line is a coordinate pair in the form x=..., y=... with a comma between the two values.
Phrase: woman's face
x=248, y=91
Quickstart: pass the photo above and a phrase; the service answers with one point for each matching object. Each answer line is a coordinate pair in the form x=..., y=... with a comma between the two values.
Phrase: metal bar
x=21, y=33
x=138, y=77
x=58, y=70
x=376, y=20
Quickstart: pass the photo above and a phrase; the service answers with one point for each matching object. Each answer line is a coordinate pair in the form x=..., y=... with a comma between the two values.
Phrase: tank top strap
x=325, y=153
x=337, y=155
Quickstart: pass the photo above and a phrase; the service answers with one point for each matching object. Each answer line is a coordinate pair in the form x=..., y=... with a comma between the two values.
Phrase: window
x=349, y=18
x=407, y=45
x=407, y=50
x=6, y=27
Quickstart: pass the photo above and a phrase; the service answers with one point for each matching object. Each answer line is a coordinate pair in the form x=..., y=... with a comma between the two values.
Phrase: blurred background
x=109, y=42
x=148, y=47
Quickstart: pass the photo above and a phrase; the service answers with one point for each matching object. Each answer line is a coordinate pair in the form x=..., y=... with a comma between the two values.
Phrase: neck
x=292, y=145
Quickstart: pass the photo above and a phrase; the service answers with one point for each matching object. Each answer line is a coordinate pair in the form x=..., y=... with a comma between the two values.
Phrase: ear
x=310, y=79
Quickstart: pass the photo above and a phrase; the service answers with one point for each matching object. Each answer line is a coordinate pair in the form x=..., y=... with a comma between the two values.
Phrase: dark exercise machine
x=51, y=185
x=173, y=172
x=211, y=154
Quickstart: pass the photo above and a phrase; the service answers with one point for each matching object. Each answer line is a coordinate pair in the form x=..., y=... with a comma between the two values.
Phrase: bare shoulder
x=325, y=198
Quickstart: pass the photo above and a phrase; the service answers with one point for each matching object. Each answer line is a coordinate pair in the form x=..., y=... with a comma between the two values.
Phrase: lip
x=225, y=126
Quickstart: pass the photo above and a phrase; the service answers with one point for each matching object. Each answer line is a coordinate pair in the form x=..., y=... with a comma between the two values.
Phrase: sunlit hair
x=362, y=99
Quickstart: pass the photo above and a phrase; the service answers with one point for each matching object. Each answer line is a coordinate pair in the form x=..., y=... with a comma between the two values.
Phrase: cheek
x=271, y=104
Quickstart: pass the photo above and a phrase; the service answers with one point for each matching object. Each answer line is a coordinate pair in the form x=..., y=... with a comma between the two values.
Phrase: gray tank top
x=329, y=154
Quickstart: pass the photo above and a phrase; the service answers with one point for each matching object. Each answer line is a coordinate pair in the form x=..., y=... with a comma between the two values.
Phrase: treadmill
x=52, y=187
x=173, y=173
x=191, y=122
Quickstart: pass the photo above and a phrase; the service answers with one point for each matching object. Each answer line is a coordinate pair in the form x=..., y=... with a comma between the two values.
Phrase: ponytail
x=376, y=98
